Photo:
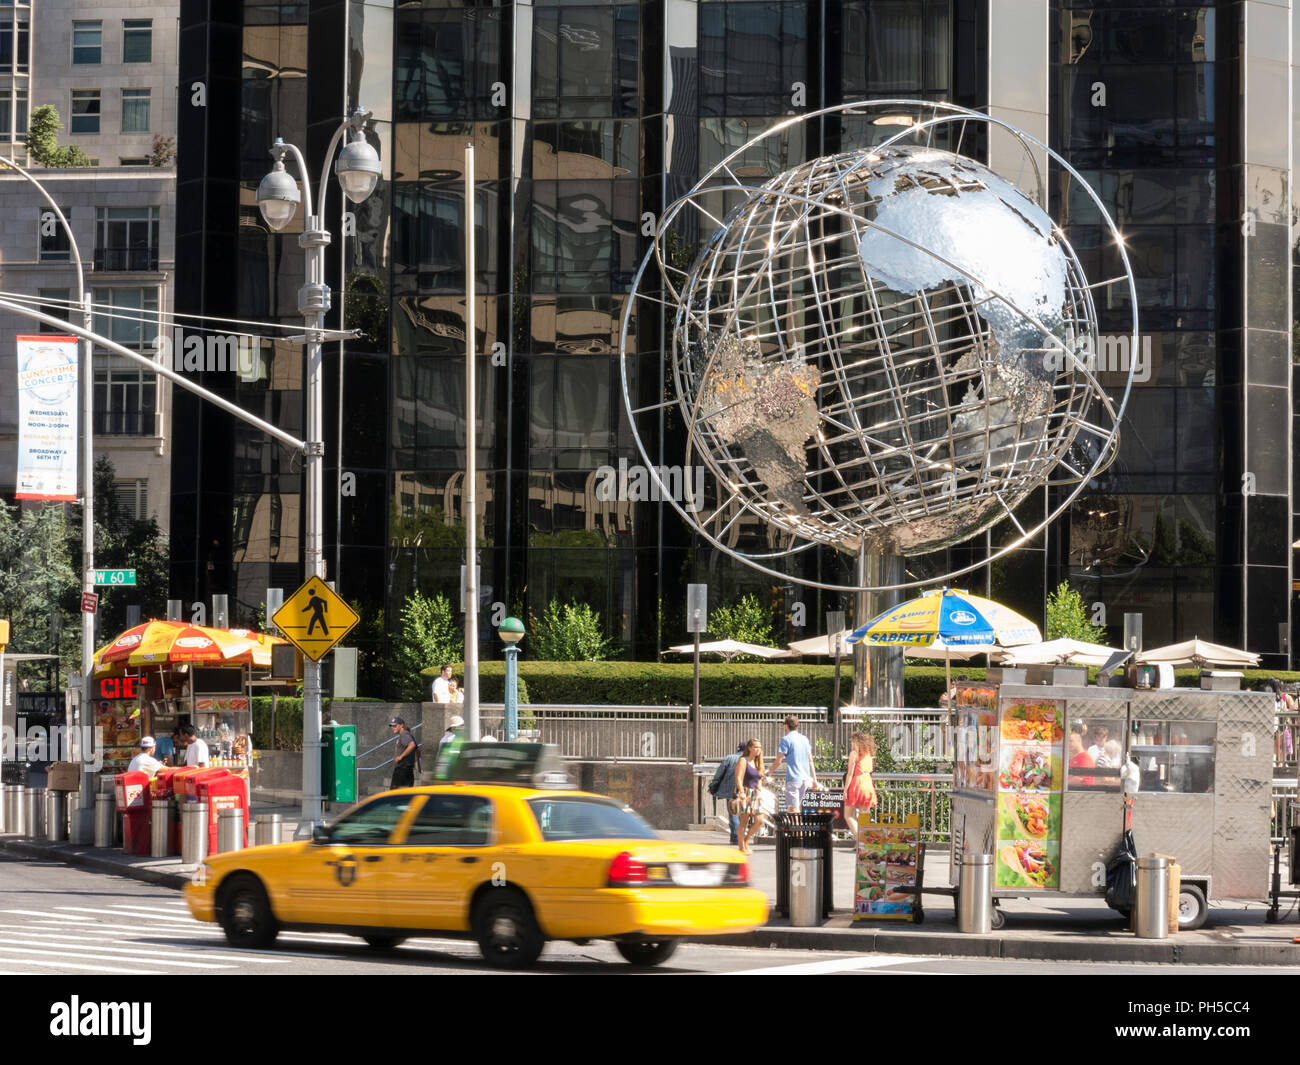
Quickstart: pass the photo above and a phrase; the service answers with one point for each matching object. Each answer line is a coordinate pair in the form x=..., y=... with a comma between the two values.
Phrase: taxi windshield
x=573, y=818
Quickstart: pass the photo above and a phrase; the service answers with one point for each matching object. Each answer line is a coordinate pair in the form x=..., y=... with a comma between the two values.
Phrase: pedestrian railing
x=389, y=743
x=1283, y=817
x=928, y=795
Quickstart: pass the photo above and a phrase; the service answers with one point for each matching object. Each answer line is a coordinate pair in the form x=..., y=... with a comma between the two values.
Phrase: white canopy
x=1198, y=652
x=1059, y=652
x=728, y=648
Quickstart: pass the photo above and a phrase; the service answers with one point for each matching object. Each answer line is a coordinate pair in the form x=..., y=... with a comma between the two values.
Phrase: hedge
x=288, y=721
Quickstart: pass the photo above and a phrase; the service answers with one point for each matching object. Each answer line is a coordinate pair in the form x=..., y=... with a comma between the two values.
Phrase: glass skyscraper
x=587, y=120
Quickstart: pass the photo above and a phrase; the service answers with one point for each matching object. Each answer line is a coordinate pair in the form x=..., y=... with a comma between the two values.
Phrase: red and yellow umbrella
x=177, y=642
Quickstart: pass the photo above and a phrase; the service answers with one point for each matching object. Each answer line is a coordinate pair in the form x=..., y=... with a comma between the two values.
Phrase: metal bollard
x=34, y=815
x=160, y=830
x=805, y=887
x=1151, y=909
x=975, y=895
x=230, y=830
x=13, y=808
x=73, y=806
x=267, y=829
x=105, y=816
x=194, y=832
x=56, y=816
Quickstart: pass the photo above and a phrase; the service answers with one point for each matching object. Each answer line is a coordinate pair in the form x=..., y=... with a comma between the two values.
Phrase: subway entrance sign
x=314, y=618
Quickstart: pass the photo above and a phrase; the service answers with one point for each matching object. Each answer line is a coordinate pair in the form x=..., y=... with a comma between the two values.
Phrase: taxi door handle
x=469, y=859
x=373, y=858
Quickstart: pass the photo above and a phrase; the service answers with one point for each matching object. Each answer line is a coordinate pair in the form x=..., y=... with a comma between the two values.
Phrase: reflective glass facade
x=587, y=119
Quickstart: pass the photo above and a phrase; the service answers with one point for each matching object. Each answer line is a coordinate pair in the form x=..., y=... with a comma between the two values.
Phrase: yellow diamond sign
x=314, y=618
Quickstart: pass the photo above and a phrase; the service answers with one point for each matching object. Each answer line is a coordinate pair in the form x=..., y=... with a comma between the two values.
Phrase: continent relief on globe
x=767, y=410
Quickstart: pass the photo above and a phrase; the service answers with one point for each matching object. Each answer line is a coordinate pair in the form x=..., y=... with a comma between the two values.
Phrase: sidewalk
x=1046, y=929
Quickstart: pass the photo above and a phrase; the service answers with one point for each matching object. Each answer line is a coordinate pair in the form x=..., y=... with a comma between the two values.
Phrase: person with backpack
x=723, y=786
x=404, y=759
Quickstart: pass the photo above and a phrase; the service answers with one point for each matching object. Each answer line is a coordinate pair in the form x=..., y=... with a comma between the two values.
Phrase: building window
x=125, y=394
x=13, y=112
x=59, y=306
x=85, y=111
x=14, y=43
x=52, y=237
x=126, y=238
x=132, y=160
x=133, y=499
x=87, y=43
x=137, y=40
x=135, y=110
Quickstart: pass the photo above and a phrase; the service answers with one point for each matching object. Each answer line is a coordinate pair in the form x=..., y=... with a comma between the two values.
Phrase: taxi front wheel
x=507, y=931
x=246, y=915
x=644, y=953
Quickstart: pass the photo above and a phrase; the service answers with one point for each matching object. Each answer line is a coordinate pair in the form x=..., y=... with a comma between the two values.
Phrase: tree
x=43, y=141
x=163, y=151
x=568, y=633
x=1067, y=617
x=38, y=584
x=747, y=622
x=428, y=636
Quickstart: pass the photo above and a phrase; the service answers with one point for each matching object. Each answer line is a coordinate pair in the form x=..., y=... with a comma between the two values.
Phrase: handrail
x=368, y=768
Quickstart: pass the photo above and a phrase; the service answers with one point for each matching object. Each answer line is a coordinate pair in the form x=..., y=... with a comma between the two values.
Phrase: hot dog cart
x=1039, y=783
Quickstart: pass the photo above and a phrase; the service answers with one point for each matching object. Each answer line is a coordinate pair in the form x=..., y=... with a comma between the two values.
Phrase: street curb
x=1047, y=948
x=91, y=859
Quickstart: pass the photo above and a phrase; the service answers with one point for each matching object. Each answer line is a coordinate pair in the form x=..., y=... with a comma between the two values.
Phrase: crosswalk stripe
x=126, y=942
x=85, y=956
x=39, y=913
x=832, y=965
x=107, y=953
x=125, y=913
x=86, y=968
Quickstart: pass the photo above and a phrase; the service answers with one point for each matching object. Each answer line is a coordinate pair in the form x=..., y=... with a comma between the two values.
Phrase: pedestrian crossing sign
x=315, y=618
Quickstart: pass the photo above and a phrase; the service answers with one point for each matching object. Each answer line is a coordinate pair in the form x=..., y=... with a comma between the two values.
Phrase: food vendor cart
x=1038, y=783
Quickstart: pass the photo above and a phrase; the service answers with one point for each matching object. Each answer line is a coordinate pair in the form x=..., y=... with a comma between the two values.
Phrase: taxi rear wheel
x=646, y=952
x=507, y=931
x=246, y=915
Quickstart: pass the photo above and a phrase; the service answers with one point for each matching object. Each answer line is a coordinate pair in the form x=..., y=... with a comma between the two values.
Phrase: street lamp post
x=512, y=631
x=358, y=169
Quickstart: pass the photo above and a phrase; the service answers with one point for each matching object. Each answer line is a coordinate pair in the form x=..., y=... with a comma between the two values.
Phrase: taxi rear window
x=565, y=819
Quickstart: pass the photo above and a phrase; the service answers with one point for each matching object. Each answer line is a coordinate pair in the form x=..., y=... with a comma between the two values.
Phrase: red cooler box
x=190, y=782
x=133, y=804
x=224, y=792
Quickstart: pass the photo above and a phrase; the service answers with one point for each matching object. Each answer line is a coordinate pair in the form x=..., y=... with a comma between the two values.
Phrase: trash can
x=105, y=818
x=803, y=831
x=13, y=808
x=267, y=829
x=230, y=830
x=56, y=816
x=805, y=887
x=160, y=830
x=194, y=832
x=1151, y=909
x=34, y=813
x=975, y=895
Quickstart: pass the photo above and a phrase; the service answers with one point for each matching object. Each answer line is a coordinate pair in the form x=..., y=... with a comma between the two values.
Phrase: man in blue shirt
x=800, y=775
x=723, y=786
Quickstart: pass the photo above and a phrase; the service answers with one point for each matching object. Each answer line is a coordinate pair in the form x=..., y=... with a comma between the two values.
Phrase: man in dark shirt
x=404, y=759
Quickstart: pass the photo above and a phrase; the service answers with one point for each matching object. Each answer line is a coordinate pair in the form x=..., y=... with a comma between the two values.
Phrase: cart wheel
x=999, y=918
x=918, y=916
x=1192, y=907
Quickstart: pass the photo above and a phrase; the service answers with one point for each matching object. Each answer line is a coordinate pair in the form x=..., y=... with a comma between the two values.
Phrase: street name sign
x=114, y=577
x=315, y=618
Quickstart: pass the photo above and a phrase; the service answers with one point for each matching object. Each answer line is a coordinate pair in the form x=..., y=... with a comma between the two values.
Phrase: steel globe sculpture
x=883, y=350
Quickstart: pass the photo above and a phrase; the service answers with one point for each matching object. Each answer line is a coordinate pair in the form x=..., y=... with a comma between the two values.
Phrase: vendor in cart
x=196, y=749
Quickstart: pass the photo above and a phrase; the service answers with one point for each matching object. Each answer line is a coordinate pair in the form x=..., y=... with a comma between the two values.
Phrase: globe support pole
x=880, y=683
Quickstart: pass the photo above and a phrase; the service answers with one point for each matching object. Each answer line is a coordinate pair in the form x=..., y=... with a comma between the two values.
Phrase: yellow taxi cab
x=489, y=855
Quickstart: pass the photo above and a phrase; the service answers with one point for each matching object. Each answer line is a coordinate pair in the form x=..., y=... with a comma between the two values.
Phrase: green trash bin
x=338, y=763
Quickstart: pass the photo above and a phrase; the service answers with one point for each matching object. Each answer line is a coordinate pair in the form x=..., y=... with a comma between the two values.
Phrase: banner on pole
x=47, y=418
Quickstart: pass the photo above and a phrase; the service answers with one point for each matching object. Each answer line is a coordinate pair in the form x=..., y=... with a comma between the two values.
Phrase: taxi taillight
x=738, y=875
x=626, y=871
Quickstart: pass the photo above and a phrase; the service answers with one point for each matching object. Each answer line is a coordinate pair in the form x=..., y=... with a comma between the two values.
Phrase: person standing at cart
x=196, y=749
x=145, y=762
x=859, y=790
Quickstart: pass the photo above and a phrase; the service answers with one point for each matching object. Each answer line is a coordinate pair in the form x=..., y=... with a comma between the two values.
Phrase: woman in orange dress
x=859, y=791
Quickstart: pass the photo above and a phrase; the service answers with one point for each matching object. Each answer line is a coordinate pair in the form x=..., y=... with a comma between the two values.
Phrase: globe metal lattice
x=885, y=349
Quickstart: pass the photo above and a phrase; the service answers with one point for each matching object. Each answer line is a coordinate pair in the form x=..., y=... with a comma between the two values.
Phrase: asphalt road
x=56, y=919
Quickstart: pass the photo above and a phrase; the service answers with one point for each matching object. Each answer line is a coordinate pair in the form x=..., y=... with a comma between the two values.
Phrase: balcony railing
x=126, y=258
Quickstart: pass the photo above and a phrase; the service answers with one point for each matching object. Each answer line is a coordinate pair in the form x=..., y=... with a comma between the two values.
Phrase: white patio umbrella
x=1198, y=652
x=1060, y=652
x=729, y=648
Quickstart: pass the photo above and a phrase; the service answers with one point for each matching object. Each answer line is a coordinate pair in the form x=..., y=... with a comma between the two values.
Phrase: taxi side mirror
x=320, y=834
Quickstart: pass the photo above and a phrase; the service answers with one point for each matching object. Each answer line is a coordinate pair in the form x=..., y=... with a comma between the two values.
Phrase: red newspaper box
x=225, y=792
x=187, y=787
x=133, y=804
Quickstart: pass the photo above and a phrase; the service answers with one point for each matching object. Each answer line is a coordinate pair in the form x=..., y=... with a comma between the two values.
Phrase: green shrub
x=568, y=633
x=288, y=723
x=428, y=636
x=746, y=622
x=1067, y=617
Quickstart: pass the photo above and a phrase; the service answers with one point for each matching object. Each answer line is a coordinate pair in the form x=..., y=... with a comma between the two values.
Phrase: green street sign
x=114, y=577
